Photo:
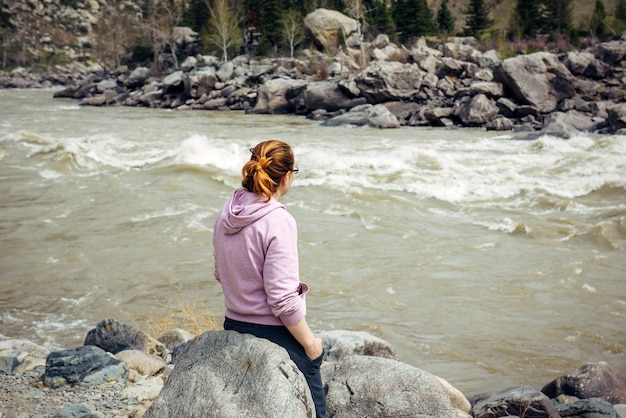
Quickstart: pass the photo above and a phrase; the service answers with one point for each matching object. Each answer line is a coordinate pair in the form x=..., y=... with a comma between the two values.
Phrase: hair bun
x=263, y=162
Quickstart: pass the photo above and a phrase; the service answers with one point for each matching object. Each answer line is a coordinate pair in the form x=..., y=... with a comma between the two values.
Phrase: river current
x=481, y=258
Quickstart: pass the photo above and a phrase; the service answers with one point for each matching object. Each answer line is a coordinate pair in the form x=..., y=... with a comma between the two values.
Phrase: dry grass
x=192, y=316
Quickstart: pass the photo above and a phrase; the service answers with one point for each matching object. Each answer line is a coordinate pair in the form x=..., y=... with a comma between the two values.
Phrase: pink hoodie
x=255, y=250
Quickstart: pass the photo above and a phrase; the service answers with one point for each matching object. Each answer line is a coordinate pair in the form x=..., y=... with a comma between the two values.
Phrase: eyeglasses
x=295, y=170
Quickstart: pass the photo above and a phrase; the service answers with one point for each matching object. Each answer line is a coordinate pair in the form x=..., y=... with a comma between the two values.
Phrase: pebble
x=25, y=396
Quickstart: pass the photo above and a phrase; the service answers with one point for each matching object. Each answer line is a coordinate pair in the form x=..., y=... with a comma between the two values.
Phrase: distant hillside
x=503, y=9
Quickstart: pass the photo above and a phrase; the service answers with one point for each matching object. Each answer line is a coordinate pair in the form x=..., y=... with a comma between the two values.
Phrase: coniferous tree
x=529, y=18
x=379, y=16
x=596, y=24
x=413, y=18
x=399, y=17
x=558, y=16
x=196, y=15
x=620, y=10
x=477, y=22
x=445, y=21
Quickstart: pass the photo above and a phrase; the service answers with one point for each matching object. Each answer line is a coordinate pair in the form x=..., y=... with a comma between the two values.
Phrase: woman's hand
x=315, y=350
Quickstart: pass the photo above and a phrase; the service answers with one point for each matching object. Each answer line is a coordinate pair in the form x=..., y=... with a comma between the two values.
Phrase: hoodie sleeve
x=285, y=293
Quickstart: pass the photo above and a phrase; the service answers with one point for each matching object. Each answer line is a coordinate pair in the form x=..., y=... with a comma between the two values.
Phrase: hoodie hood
x=245, y=208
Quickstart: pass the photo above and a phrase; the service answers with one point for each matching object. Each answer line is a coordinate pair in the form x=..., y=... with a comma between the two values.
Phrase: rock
x=516, y=401
x=105, y=85
x=141, y=362
x=506, y=107
x=77, y=411
x=189, y=63
x=500, y=123
x=329, y=96
x=477, y=111
x=621, y=410
x=387, y=81
x=276, y=96
x=390, y=52
x=175, y=337
x=437, y=115
x=617, y=116
x=592, y=380
x=114, y=337
x=536, y=79
x=228, y=374
x=421, y=52
x=137, y=78
x=201, y=81
x=568, y=124
x=450, y=67
x=612, y=53
x=363, y=386
x=340, y=344
x=459, y=401
x=375, y=116
x=585, y=64
x=489, y=89
x=86, y=364
x=226, y=71
x=17, y=362
x=328, y=27
x=33, y=350
x=570, y=406
x=402, y=110
x=145, y=389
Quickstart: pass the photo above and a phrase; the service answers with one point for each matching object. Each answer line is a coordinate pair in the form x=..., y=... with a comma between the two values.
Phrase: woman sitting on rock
x=256, y=262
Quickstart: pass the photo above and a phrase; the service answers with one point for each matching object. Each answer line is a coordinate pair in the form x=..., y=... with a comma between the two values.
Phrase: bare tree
x=116, y=32
x=357, y=11
x=293, y=29
x=223, y=26
x=159, y=26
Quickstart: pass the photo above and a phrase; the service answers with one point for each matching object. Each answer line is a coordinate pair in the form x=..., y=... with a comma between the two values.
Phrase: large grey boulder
x=613, y=52
x=278, y=96
x=568, y=124
x=114, y=337
x=478, y=111
x=18, y=356
x=617, y=116
x=592, y=380
x=383, y=81
x=329, y=96
x=375, y=116
x=364, y=386
x=88, y=365
x=538, y=79
x=328, y=27
x=339, y=344
x=138, y=77
x=227, y=374
x=515, y=401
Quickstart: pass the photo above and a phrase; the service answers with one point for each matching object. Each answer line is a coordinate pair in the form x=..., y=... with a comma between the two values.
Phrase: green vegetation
x=477, y=23
x=144, y=32
x=445, y=22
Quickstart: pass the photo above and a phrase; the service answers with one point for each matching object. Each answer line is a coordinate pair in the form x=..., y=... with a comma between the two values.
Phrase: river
x=481, y=258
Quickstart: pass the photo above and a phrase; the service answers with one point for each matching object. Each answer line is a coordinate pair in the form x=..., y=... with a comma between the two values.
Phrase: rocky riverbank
x=452, y=85
x=123, y=372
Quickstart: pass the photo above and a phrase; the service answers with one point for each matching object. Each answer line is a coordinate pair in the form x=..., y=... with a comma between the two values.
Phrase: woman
x=255, y=251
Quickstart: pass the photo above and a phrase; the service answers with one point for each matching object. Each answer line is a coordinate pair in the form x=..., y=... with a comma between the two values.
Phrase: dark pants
x=280, y=335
